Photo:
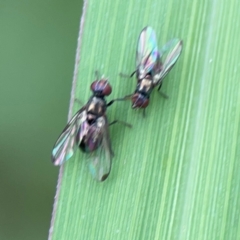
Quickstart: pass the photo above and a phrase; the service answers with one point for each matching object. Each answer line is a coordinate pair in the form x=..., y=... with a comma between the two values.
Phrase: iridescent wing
x=66, y=143
x=147, y=51
x=100, y=160
x=170, y=54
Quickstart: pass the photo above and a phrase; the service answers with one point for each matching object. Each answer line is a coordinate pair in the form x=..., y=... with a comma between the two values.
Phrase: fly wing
x=100, y=160
x=66, y=143
x=147, y=51
x=171, y=52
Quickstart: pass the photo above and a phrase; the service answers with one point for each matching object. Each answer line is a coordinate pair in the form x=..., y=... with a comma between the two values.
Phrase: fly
x=88, y=129
x=152, y=66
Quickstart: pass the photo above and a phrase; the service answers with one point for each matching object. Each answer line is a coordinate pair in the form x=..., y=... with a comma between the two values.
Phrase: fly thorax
x=145, y=86
x=96, y=107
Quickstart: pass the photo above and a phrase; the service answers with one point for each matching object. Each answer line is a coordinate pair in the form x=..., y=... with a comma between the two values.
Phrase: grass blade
x=175, y=174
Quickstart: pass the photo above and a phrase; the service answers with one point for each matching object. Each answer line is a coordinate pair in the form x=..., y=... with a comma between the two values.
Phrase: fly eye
x=102, y=87
x=107, y=89
x=139, y=101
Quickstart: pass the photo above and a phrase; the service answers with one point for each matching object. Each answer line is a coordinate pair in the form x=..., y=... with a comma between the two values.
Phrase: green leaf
x=175, y=174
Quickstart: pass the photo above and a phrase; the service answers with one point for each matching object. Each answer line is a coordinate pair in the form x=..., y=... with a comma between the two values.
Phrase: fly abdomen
x=91, y=141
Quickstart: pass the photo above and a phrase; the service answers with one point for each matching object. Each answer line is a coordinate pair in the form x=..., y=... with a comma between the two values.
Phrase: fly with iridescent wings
x=88, y=130
x=152, y=66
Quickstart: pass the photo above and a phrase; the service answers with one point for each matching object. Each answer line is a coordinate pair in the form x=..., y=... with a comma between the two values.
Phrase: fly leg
x=127, y=76
x=163, y=94
x=122, y=122
x=97, y=74
x=78, y=101
x=144, y=112
x=119, y=99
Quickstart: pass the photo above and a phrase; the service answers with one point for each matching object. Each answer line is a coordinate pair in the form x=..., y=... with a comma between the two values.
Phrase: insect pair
x=88, y=128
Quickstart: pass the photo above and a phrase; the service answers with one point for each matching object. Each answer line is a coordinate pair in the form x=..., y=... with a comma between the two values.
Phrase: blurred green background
x=38, y=41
